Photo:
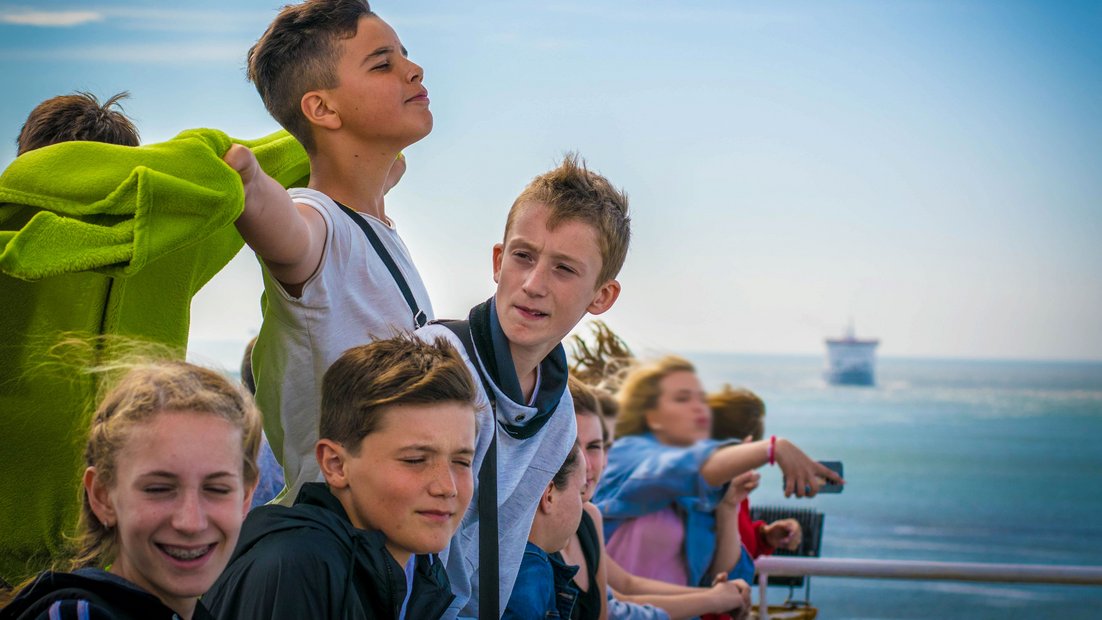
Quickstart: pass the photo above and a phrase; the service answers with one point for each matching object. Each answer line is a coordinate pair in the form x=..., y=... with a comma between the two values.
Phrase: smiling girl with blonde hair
x=171, y=467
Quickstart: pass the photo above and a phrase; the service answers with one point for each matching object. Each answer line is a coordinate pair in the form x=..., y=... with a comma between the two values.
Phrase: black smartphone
x=830, y=487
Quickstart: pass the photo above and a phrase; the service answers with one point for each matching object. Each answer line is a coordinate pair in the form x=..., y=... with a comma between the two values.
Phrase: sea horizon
x=227, y=352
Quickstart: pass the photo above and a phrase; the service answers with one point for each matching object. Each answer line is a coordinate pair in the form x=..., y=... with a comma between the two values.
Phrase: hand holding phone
x=826, y=485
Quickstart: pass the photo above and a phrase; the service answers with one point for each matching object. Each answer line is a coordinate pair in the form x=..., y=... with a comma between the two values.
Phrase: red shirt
x=752, y=532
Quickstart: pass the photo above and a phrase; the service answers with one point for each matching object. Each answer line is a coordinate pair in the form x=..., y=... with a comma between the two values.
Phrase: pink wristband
x=772, y=449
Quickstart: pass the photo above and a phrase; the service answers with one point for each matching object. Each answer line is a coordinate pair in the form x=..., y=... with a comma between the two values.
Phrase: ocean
x=945, y=460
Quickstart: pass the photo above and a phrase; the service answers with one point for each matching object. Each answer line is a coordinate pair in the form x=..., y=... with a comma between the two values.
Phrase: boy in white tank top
x=337, y=77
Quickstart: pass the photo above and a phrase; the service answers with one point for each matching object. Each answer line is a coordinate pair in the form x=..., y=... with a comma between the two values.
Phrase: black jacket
x=308, y=561
x=105, y=596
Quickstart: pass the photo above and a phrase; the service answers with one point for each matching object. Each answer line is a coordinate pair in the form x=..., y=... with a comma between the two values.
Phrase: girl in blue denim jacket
x=664, y=487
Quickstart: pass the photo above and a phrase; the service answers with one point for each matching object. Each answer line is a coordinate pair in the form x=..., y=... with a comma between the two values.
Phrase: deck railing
x=909, y=569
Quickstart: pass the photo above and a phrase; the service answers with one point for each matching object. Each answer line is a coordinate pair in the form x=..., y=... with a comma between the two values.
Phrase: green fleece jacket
x=99, y=239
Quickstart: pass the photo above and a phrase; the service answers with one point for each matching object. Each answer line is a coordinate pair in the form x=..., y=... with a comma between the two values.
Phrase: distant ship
x=850, y=360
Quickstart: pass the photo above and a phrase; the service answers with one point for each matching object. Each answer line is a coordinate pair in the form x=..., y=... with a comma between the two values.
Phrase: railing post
x=763, y=603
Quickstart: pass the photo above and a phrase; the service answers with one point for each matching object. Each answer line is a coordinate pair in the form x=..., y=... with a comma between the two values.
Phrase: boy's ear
x=316, y=109
x=605, y=296
x=332, y=459
x=499, y=252
x=99, y=498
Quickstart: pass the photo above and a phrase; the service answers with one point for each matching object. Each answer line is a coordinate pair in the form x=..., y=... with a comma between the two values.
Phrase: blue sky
x=927, y=168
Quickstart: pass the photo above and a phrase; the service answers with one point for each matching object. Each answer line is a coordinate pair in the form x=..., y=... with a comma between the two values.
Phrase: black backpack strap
x=419, y=316
x=489, y=604
x=488, y=573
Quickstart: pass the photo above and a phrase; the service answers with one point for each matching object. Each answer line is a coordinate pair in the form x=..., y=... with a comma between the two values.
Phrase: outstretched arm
x=803, y=476
x=724, y=597
x=288, y=237
x=629, y=585
x=680, y=602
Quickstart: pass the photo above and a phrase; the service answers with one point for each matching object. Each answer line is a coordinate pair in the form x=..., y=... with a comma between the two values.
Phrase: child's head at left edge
x=566, y=238
x=396, y=440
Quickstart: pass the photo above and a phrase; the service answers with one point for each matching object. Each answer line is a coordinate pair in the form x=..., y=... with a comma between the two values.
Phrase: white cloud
x=190, y=19
x=143, y=19
x=50, y=19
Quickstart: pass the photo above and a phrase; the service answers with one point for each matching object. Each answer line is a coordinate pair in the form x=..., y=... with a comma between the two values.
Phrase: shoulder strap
x=591, y=546
x=419, y=316
x=489, y=604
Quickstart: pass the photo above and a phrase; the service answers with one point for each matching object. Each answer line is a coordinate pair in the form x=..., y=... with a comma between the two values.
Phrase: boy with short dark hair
x=78, y=116
x=397, y=432
x=566, y=238
x=336, y=272
x=37, y=512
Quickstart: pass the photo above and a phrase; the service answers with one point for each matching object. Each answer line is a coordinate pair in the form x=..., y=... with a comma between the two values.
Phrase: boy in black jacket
x=397, y=436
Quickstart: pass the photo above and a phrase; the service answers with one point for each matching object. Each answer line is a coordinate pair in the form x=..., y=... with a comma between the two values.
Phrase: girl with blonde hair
x=670, y=494
x=170, y=471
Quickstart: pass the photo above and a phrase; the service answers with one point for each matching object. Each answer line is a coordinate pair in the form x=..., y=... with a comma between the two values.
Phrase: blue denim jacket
x=544, y=587
x=645, y=476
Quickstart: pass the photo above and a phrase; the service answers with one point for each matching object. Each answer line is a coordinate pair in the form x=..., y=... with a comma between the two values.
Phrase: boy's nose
x=443, y=484
x=534, y=282
x=416, y=73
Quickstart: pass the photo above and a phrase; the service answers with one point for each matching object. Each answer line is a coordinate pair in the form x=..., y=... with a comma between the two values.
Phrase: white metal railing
x=910, y=569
